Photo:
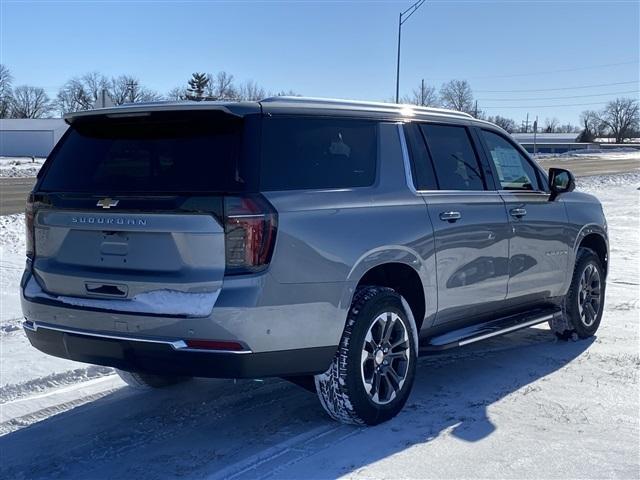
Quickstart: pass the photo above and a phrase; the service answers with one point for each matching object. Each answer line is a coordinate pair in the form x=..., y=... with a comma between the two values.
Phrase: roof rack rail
x=362, y=103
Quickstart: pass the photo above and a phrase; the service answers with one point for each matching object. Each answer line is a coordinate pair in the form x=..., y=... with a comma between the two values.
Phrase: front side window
x=318, y=153
x=454, y=159
x=514, y=171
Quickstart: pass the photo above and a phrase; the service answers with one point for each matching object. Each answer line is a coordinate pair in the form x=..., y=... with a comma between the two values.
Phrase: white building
x=29, y=137
x=551, y=142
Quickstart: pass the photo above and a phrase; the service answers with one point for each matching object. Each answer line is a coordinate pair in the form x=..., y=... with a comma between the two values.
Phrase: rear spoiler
x=238, y=109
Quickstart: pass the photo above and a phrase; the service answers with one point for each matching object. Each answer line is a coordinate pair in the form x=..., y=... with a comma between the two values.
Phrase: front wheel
x=373, y=371
x=584, y=303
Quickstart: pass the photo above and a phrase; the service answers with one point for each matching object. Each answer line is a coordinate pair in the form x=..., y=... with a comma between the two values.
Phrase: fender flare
x=375, y=258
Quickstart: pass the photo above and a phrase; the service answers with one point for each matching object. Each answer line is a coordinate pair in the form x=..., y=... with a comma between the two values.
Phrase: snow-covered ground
x=20, y=166
x=623, y=153
x=520, y=406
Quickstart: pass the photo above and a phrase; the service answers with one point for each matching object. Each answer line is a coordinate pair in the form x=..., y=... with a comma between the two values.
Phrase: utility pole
x=535, y=132
x=526, y=124
x=475, y=110
x=403, y=17
x=422, y=93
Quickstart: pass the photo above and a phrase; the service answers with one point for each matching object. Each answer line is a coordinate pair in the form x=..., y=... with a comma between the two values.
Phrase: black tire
x=579, y=321
x=147, y=381
x=342, y=389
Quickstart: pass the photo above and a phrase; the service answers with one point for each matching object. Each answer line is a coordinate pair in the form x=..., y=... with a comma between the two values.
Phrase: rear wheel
x=584, y=303
x=373, y=371
x=147, y=381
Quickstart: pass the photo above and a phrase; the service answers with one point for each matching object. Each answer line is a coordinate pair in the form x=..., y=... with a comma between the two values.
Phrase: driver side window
x=515, y=172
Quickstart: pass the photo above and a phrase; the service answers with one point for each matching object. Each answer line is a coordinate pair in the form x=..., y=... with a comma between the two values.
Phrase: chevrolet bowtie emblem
x=107, y=203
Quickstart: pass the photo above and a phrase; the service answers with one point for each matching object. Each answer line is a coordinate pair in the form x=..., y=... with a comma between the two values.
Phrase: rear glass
x=162, y=152
x=318, y=153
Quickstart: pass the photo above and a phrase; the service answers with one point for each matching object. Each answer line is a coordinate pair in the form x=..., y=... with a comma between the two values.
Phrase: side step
x=482, y=331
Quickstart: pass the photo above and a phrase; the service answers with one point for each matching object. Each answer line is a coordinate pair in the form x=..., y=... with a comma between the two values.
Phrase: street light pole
x=401, y=19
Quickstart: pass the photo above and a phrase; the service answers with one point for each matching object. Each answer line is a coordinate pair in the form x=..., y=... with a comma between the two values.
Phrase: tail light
x=214, y=345
x=29, y=216
x=250, y=225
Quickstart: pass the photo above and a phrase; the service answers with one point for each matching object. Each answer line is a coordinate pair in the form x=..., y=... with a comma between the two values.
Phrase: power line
x=559, y=88
x=533, y=73
x=544, y=106
x=556, y=98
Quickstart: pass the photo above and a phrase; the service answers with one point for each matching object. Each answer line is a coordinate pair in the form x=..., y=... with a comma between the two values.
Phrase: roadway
x=13, y=191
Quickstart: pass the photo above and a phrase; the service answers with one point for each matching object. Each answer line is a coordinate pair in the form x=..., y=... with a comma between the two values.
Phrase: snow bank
x=14, y=391
x=20, y=166
x=601, y=181
x=625, y=153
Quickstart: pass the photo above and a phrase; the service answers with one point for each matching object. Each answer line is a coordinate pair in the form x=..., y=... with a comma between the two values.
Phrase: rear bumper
x=168, y=357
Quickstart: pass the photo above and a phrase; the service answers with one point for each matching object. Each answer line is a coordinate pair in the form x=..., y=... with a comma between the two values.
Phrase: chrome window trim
x=406, y=160
x=524, y=192
x=179, y=345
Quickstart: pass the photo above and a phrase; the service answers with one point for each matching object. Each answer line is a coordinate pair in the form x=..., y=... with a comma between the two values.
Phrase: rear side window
x=514, y=171
x=454, y=158
x=185, y=152
x=318, y=153
x=424, y=178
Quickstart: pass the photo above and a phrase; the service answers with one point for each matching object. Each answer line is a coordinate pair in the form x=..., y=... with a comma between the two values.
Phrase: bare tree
x=507, y=124
x=220, y=86
x=250, y=90
x=567, y=128
x=6, y=91
x=592, y=126
x=424, y=96
x=550, y=125
x=81, y=93
x=286, y=93
x=177, y=94
x=127, y=89
x=457, y=95
x=30, y=102
x=622, y=117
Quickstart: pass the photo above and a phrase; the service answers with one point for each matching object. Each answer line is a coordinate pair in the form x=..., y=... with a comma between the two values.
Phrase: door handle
x=450, y=216
x=518, y=212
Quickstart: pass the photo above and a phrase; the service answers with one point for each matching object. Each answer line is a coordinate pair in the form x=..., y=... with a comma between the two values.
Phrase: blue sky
x=341, y=49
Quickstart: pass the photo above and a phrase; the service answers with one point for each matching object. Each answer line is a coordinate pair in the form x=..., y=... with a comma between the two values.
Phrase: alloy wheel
x=589, y=295
x=385, y=357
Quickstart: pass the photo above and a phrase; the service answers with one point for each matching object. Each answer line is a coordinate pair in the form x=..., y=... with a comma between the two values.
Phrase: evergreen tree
x=197, y=85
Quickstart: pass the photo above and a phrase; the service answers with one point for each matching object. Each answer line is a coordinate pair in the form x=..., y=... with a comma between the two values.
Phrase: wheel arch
x=399, y=268
x=596, y=240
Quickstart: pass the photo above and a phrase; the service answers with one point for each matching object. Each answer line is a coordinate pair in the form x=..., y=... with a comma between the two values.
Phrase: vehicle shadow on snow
x=256, y=429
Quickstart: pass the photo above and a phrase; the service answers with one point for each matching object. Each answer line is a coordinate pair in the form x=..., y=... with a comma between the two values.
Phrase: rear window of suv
x=318, y=153
x=163, y=152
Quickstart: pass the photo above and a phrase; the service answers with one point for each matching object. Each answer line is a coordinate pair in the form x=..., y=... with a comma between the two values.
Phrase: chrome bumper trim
x=179, y=345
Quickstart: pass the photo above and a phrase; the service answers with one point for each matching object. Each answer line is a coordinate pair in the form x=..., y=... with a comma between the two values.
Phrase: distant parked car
x=327, y=242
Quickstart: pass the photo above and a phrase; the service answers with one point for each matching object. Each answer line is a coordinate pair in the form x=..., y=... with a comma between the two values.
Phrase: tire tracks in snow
x=20, y=413
x=287, y=453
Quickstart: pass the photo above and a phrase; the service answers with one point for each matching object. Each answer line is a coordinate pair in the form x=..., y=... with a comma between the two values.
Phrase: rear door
x=469, y=221
x=538, y=247
x=132, y=206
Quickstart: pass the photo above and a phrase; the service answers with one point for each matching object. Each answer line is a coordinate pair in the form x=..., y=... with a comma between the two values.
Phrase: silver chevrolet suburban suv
x=326, y=242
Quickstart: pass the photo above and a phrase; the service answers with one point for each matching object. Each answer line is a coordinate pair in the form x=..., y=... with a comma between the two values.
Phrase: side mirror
x=561, y=181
